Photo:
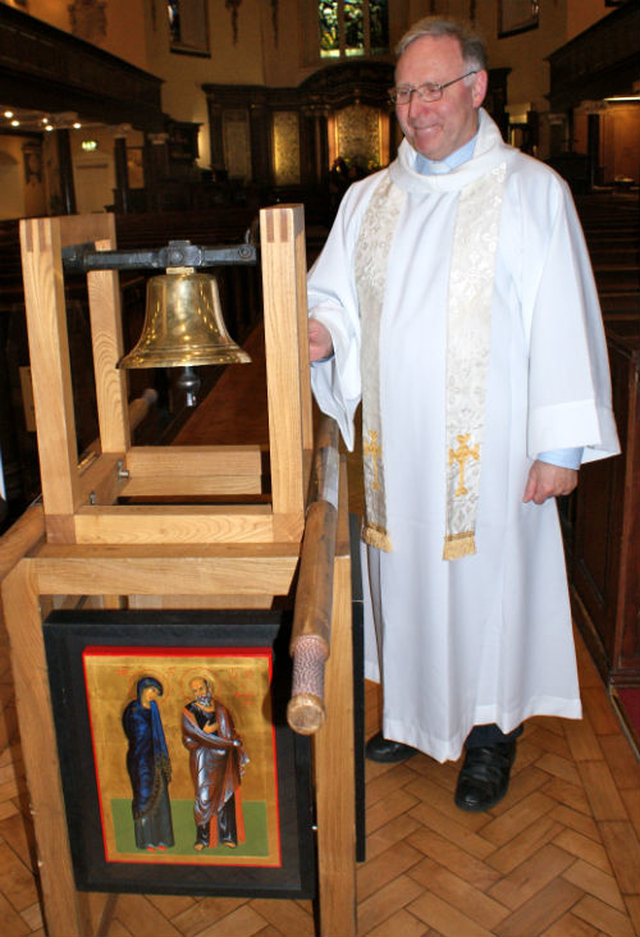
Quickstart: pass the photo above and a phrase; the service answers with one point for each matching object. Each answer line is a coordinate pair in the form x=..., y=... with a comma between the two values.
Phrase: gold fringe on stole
x=459, y=545
x=376, y=537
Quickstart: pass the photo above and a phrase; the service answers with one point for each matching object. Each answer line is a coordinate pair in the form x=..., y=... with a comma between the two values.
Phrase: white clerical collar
x=490, y=151
x=428, y=167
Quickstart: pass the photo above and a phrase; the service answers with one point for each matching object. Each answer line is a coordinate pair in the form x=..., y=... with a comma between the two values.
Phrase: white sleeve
x=569, y=380
x=333, y=301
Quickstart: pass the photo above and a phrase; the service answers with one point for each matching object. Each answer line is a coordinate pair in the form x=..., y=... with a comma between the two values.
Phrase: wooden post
x=108, y=347
x=334, y=761
x=290, y=428
x=50, y=364
x=62, y=909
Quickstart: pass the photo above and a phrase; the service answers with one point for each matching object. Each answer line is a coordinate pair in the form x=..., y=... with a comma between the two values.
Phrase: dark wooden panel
x=601, y=60
x=605, y=564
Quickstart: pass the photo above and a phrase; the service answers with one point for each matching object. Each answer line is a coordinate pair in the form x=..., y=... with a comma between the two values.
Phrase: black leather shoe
x=379, y=748
x=484, y=777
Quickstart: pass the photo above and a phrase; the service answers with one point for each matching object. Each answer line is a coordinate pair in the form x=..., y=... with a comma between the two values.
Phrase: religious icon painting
x=179, y=772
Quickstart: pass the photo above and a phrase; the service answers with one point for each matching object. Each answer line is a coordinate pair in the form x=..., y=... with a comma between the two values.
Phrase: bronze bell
x=183, y=324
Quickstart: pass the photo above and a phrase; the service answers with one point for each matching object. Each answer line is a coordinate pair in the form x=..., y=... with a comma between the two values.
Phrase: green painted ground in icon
x=255, y=824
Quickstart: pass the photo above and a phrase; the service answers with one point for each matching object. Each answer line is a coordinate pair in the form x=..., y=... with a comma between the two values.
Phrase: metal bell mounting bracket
x=81, y=258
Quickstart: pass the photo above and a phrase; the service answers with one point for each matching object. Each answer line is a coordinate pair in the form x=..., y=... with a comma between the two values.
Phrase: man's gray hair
x=472, y=45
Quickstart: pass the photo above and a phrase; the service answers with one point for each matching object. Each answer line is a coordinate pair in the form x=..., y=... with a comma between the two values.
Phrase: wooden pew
x=605, y=544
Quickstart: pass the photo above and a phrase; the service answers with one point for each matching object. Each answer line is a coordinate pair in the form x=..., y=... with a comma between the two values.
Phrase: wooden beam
x=62, y=908
x=281, y=275
x=100, y=482
x=112, y=384
x=194, y=461
x=334, y=774
x=189, y=486
x=177, y=523
x=50, y=363
x=20, y=538
x=303, y=337
x=161, y=575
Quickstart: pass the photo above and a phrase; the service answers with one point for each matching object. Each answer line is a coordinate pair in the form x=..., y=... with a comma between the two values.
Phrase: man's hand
x=320, y=344
x=548, y=481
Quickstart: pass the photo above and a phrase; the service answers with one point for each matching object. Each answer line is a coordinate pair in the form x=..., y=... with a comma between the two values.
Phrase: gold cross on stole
x=461, y=454
x=373, y=449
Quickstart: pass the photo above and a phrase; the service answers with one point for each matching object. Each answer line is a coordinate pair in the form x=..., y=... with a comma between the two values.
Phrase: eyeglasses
x=429, y=91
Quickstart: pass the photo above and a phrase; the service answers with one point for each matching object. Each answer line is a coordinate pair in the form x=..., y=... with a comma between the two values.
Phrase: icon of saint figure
x=149, y=767
x=217, y=761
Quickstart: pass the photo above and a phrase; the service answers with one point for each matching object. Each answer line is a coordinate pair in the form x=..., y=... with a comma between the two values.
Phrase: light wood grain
x=150, y=461
x=166, y=576
x=105, y=315
x=160, y=524
x=335, y=783
x=50, y=363
x=40, y=751
x=283, y=274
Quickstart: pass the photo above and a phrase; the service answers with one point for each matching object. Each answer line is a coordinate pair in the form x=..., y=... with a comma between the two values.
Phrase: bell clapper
x=189, y=383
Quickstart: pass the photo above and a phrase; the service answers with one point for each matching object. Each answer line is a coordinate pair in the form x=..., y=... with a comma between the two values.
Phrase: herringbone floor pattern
x=558, y=857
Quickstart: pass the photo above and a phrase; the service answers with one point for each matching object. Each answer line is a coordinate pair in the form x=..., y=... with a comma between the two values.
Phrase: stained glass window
x=378, y=26
x=353, y=27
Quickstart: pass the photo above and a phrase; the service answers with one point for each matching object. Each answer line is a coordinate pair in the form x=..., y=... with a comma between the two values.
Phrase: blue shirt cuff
x=564, y=458
x=322, y=360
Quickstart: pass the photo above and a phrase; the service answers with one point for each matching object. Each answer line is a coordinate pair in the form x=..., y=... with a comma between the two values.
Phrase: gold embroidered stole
x=470, y=299
x=371, y=257
x=471, y=277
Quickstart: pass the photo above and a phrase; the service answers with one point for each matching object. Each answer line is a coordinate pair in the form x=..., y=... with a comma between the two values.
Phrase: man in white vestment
x=455, y=298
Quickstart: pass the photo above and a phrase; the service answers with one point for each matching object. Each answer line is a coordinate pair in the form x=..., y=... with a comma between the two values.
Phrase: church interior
x=187, y=120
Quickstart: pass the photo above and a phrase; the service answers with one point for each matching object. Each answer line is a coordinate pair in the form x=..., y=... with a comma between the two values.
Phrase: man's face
x=438, y=128
x=200, y=691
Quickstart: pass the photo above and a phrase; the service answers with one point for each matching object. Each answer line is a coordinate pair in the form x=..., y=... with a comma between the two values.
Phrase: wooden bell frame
x=80, y=542
x=80, y=505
